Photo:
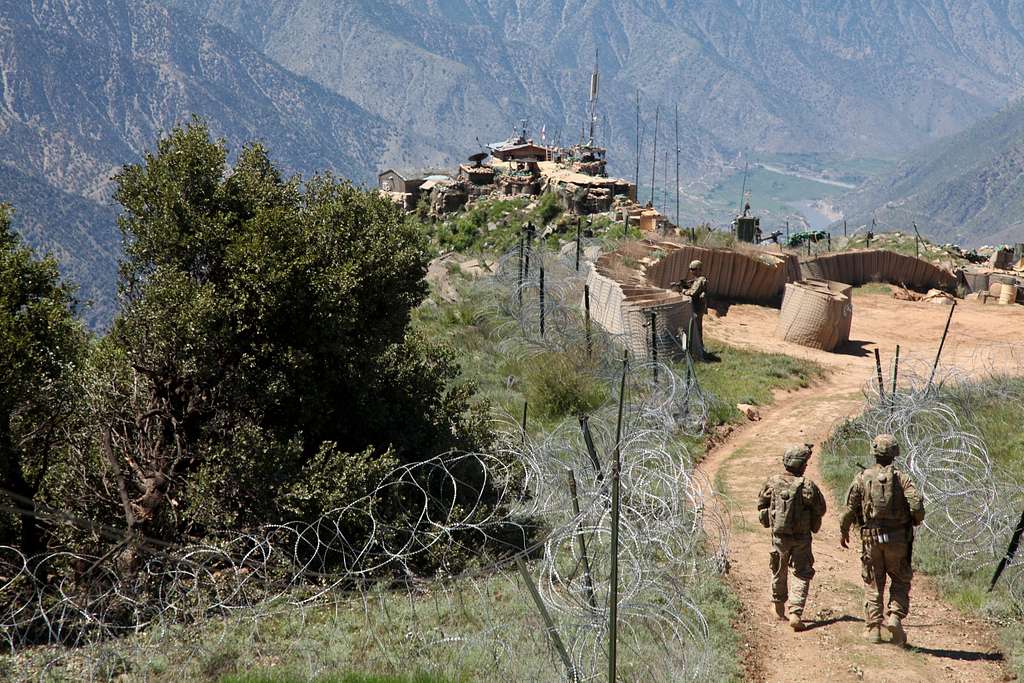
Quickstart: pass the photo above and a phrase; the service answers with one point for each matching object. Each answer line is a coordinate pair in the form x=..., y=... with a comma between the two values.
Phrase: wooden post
x=844, y=227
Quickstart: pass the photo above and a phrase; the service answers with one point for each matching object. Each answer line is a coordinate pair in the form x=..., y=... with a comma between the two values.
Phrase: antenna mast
x=594, y=78
x=677, y=164
x=636, y=181
x=654, y=159
x=743, y=192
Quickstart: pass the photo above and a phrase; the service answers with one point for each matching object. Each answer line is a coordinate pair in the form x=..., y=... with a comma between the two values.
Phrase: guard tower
x=747, y=228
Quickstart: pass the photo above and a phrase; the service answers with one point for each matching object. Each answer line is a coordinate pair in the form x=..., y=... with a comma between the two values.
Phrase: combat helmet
x=796, y=457
x=884, y=448
x=696, y=265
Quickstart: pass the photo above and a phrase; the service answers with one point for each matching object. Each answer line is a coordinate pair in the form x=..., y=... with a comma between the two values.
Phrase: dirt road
x=946, y=644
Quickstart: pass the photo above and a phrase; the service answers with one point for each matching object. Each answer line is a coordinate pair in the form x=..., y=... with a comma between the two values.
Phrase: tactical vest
x=788, y=512
x=883, y=503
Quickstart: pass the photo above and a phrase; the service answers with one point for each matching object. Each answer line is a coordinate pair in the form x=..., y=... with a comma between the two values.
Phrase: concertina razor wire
x=79, y=616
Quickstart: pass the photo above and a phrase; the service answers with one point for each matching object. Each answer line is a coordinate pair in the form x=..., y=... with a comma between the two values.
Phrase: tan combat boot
x=780, y=609
x=872, y=634
x=796, y=622
x=895, y=627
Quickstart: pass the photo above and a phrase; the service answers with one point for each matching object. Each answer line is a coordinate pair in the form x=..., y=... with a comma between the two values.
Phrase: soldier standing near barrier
x=697, y=290
x=792, y=507
x=885, y=504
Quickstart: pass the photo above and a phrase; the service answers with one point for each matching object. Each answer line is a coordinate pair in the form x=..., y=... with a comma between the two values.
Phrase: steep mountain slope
x=967, y=188
x=857, y=77
x=88, y=85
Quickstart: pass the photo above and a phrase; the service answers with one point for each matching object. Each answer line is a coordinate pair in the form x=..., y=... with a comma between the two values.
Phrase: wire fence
x=972, y=501
x=343, y=590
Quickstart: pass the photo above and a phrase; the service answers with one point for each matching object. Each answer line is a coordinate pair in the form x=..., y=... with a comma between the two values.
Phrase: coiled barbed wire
x=972, y=505
x=86, y=617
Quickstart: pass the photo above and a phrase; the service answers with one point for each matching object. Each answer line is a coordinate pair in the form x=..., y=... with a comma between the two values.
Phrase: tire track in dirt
x=945, y=643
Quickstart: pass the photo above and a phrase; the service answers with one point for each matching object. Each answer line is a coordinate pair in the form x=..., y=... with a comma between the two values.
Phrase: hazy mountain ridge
x=967, y=188
x=863, y=78
x=86, y=86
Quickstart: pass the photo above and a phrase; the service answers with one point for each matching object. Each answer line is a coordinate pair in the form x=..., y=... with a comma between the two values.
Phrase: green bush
x=556, y=387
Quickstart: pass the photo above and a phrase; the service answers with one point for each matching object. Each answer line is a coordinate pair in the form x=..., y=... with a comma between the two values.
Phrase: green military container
x=747, y=228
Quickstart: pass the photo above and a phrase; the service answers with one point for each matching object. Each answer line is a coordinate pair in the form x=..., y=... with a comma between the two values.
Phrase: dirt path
x=946, y=644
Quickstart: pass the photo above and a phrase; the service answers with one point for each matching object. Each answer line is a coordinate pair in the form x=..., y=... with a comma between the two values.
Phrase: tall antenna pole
x=594, y=77
x=677, y=164
x=664, y=187
x=743, y=192
x=636, y=181
x=654, y=157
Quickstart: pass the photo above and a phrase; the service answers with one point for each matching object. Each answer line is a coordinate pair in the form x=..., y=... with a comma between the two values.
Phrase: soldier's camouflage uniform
x=886, y=537
x=791, y=548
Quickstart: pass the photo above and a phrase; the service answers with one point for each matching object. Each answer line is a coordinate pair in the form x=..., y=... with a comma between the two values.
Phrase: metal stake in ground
x=588, y=440
x=542, y=300
x=1010, y=552
x=519, y=280
x=579, y=230
x=586, y=317
x=878, y=371
x=895, y=375
x=613, y=594
x=942, y=342
x=526, y=405
x=654, y=345
x=581, y=542
x=556, y=640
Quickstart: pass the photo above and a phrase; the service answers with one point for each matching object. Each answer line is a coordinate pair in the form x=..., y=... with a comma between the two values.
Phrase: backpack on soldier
x=883, y=499
x=786, y=504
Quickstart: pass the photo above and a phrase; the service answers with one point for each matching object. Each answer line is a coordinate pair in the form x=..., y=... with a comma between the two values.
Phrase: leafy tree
x=263, y=351
x=41, y=351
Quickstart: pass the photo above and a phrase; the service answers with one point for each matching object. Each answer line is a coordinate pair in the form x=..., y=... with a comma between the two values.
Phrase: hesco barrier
x=816, y=313
x=623, y=308
x=757, y=277
x=878, y=265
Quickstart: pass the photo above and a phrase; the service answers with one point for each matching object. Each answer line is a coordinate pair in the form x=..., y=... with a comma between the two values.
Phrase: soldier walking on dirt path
x=792, y=507
x=885, y=504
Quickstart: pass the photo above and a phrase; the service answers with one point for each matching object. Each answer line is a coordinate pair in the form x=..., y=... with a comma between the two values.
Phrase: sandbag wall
x=878, y=265
x=732, y=275
x=816, y=313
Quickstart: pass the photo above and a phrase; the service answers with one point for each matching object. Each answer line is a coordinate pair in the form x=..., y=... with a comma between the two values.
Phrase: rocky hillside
x=862, y=78
x=88, y=85
x=968, y=188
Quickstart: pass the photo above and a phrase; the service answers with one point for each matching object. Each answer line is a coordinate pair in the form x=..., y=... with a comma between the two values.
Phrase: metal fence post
x=613, y=595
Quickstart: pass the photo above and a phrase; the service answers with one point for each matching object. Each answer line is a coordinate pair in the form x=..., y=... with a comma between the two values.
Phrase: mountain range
x=967, y=188
x=358, y=85
x=88, y=85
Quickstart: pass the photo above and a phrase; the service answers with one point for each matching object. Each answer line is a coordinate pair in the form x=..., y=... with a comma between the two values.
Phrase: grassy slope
x=998, y=422
x=295, y=643
x=502, y=376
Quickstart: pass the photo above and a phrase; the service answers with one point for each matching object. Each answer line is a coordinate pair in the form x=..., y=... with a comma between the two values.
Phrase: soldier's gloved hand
x=844, y=540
